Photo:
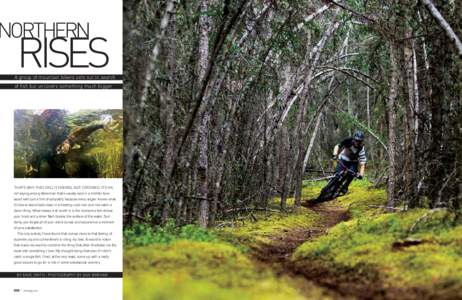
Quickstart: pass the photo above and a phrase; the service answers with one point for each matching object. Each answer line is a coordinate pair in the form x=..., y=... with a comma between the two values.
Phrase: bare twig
x=445, y=184
x=423, y=217
x=135, y=216
x=387, y=208
x=350, y=71
x=196, y=198
x=251, y=209
x=358, y=14
x=320, y=179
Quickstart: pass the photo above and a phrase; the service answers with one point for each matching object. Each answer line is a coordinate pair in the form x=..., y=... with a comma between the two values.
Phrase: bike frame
x=336, y=183
x=345, y=168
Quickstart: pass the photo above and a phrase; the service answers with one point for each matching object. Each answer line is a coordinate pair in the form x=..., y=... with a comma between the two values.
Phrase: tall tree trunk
x=440, y=61
x=312, y=139
x=202, y=173
x=298, y=167
x=203, y=64
x=283, y=150
x=167, y=107
x=458, y=201
x=391, y=108
x=411, y=180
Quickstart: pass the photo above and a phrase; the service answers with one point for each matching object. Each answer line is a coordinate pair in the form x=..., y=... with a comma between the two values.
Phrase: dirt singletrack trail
x=277, y=254
x=341, y=283
x=282, y=247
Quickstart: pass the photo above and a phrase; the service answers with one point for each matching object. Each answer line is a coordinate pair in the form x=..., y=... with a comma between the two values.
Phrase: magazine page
x=269, y=150
x=62, y=145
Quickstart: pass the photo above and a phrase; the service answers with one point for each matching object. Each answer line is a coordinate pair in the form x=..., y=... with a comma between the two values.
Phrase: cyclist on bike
x=351, y=153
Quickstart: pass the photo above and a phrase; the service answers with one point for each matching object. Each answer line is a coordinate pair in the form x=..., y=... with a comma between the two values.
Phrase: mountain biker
x=351, y=153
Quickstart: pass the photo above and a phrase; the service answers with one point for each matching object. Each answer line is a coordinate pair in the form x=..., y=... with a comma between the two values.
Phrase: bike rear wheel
x=328, y=192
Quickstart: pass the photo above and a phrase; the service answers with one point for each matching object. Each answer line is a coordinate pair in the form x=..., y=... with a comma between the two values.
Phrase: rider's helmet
x=359, y=135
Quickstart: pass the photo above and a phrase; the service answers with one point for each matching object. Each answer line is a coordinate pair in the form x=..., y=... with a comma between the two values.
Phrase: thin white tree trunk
x=392, y=126
x=312, y=139
x=250, y=28
x=316, y=127
x=203, y=63
x=348, y=80
x=309, y=18
x=368, y=106
x=424, y=46
x=314, y=56
x=283, y=151
x=409, y=150
x=155, y=52
x=416, y=94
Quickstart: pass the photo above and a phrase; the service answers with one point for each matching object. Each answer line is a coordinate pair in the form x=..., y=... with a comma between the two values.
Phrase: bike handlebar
x=355, y=174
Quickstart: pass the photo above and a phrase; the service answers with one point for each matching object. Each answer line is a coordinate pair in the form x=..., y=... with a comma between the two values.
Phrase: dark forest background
x=230, y=103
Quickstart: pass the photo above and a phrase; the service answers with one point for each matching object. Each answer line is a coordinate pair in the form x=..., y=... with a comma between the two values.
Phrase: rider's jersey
x=351, y=153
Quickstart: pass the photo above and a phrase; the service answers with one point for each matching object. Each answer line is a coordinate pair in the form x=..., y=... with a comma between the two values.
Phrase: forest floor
x=343, y=249
x=278, y=253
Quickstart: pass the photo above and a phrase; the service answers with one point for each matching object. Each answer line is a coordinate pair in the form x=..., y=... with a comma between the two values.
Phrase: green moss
x=148, y=286
x=188, y=268
x=367, y=240
x=253, y=233
x=311, y=189
x=142, y=234
x=192, y=263
x=198, y=270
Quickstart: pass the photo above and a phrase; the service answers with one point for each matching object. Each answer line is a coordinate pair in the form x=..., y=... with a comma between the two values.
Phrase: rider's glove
x=359, y=176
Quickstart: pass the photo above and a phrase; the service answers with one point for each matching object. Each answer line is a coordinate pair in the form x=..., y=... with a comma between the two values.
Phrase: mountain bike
x=336, y=184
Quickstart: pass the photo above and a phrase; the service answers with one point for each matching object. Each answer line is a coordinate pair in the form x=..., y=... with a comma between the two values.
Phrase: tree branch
x=309, y=18
x=443, y=24
x=352, y=11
